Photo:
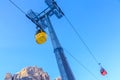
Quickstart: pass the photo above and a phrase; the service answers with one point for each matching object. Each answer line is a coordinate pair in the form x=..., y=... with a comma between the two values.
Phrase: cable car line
x=17, y=7
x=72, y=26
x=102, y=70
x=81, y=64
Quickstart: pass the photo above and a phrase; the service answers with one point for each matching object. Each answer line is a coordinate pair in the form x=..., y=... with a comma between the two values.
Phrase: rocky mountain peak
x=28, y=73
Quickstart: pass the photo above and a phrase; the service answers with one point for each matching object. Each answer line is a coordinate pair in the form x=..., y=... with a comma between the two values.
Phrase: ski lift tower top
x=42, y=21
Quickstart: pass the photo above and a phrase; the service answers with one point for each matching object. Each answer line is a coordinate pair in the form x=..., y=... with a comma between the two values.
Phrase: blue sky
x=97, y=21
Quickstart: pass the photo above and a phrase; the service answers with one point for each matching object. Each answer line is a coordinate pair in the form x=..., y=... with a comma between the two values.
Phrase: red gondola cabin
x=103, y=72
